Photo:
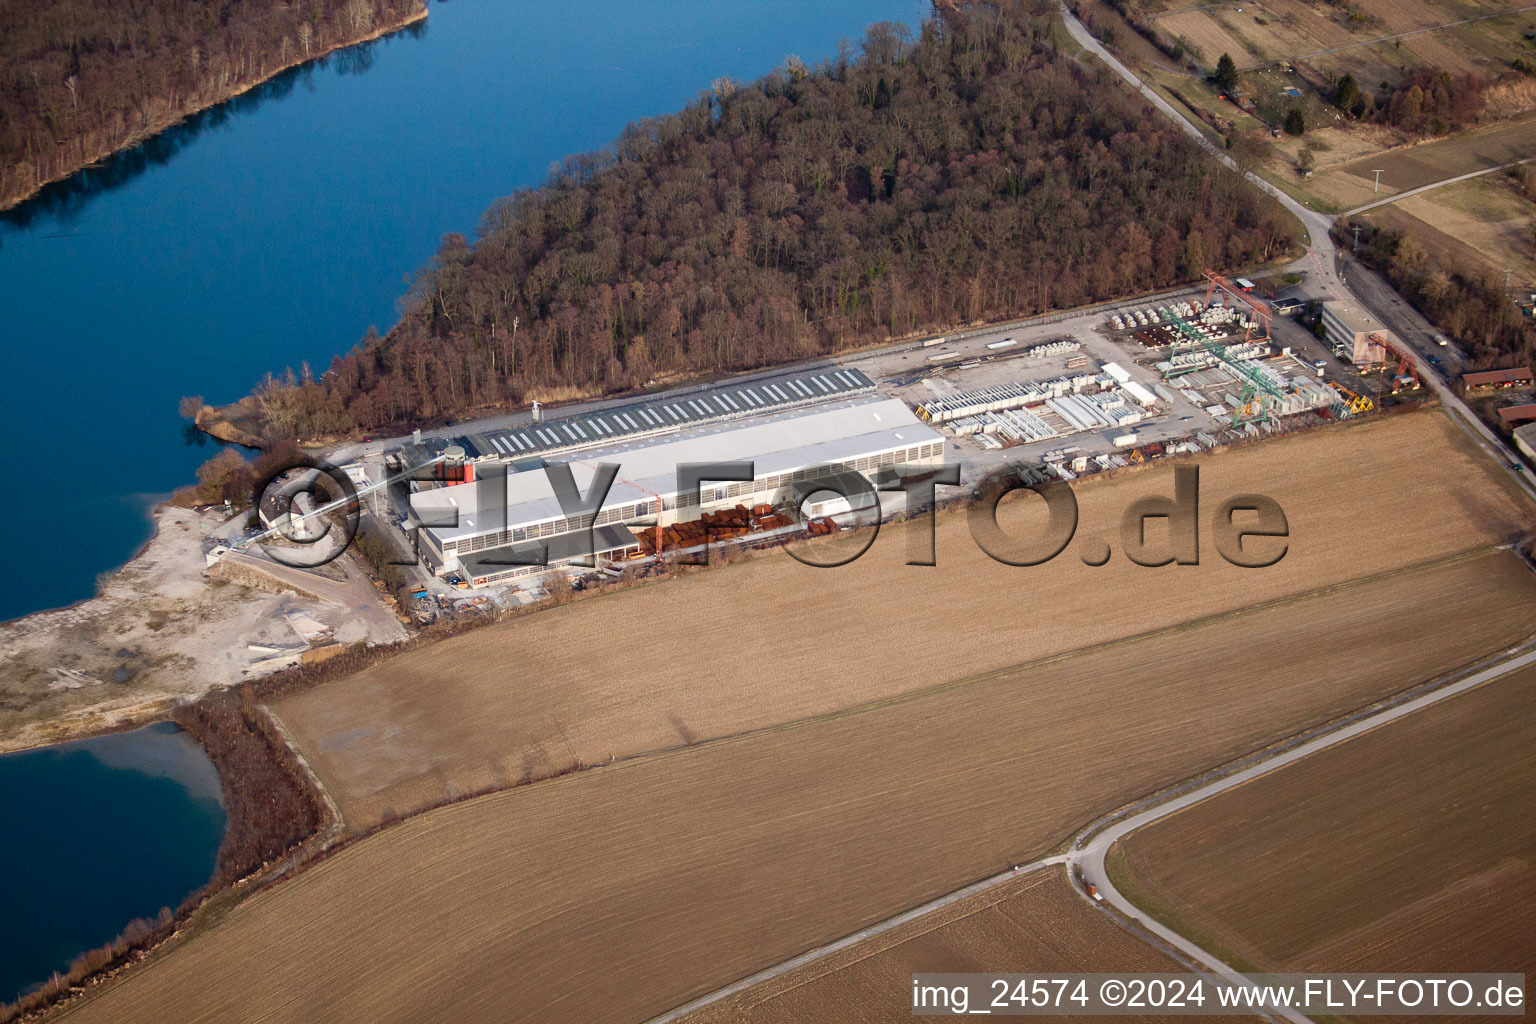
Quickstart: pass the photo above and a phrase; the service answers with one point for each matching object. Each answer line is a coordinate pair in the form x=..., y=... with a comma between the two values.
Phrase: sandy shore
x=163, y=631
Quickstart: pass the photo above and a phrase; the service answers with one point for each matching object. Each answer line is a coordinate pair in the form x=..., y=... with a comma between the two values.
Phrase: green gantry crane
x=1257, y=388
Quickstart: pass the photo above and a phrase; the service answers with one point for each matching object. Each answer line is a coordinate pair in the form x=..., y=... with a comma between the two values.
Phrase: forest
x=81, y=79
x=1428, y=101
x=910, y=184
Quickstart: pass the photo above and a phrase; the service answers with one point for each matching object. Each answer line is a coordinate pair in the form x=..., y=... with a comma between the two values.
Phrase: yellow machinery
x=1354, y=403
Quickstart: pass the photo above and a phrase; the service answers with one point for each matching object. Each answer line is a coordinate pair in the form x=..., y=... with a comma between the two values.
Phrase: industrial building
x=501, y=527
x=1525, y=440
x=1354, y=334
x=545, y=438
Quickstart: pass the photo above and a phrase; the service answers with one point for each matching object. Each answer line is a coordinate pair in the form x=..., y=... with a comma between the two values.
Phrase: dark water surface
x=94, y=834
x=279, y=227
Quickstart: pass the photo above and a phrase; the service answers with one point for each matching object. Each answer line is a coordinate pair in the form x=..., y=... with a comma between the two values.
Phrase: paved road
x=347, y=452
x=1433, y=185
x=1322, y=259
x=1088, y=857
x=1087, y=854
x=1377, y=295
x=1089, y=849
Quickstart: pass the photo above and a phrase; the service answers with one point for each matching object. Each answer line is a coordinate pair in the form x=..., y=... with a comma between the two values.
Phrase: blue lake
x=94, y=834
x=278, y=228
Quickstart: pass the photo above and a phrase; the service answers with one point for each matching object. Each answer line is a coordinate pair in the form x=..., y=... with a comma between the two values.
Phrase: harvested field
x=616, y=893
x=1390, y=38
x=1034, y=924
x=1409, y=848
x=1268, y=31
x=1478, y=224
x=1412, y=166
x=1488, y=218
x=1209, y=38
x=708, y=656
x=1437, y=243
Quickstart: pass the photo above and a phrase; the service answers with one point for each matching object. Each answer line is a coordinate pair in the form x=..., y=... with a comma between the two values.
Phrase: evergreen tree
x=1226, y=72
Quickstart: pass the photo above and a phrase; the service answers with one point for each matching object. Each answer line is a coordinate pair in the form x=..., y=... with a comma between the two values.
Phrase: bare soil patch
x=161, y=631
x=1412, y=166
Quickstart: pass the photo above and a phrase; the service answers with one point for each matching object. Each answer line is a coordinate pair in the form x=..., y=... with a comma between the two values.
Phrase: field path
x=878, y=928
x=1093, y=845
x=1386, y=200
x=1405, y=35
x=1090, y=848
x=1087, y=849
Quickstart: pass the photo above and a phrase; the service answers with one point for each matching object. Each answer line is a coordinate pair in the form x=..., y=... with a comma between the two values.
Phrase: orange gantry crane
x=1258, y=321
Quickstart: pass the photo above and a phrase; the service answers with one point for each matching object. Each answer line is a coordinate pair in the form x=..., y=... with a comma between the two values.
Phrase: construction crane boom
x=244, y=542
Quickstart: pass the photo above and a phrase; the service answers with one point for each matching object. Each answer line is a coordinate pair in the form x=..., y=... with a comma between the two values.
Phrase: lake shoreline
x=164, y=631
x=161, y=762
x=14, y=200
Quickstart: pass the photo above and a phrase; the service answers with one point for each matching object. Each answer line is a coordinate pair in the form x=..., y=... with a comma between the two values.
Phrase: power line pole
x=1378, y=181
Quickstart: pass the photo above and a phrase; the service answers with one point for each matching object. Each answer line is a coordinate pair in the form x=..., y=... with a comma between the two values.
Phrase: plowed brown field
x=1409, y=848
x=617, y=893
x=1035, y=924
x=770, y=641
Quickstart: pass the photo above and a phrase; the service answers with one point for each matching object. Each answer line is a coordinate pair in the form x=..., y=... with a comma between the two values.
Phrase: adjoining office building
x=488, y=531
x=1353, y=334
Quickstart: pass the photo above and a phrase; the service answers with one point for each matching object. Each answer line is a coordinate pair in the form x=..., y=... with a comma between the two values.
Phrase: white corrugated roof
x=776, y=444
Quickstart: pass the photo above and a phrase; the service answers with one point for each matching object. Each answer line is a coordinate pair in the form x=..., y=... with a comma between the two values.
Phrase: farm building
x=1519, y=377
x=491, y=530
x=1354, y=334
x=1513, y=414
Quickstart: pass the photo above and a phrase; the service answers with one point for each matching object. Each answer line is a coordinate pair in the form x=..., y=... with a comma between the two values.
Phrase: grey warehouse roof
x=774, y=444
x=665, y=414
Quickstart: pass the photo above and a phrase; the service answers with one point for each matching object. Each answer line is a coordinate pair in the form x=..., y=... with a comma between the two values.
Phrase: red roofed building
x=1512, y=414
x=1519, y=377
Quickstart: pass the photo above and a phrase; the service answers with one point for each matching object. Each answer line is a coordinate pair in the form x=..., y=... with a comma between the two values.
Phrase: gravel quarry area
x=162, y=630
